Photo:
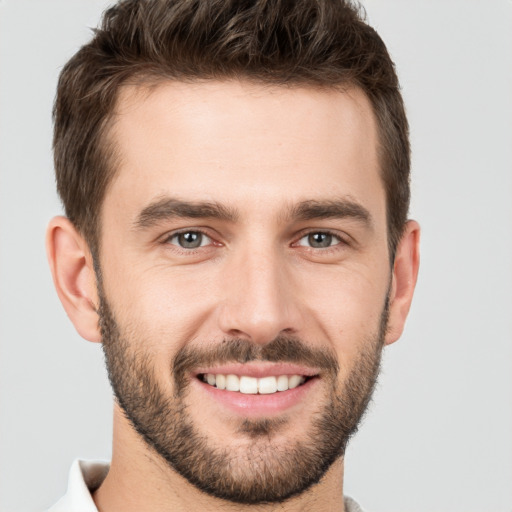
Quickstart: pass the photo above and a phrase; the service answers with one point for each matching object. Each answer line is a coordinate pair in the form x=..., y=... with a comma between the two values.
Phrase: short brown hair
x=283, y=42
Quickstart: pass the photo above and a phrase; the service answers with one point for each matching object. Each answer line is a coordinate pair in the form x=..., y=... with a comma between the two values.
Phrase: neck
x=139, y=479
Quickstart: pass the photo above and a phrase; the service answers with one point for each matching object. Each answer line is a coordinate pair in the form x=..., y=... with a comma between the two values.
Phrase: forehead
x=238, y=142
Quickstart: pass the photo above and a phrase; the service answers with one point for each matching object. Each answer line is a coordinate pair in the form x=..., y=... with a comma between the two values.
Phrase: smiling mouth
x=253, y=385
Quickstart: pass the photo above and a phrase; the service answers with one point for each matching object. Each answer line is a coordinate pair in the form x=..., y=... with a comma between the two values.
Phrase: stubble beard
x=263, y=471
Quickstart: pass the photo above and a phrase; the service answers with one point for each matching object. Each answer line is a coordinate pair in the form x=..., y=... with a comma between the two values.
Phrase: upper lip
x=259, y=369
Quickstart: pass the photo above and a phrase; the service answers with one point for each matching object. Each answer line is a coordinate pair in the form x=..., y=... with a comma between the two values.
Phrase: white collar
x=85, y=476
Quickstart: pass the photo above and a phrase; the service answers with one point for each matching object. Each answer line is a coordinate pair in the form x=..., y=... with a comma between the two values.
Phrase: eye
x=319, y=240
x=190, y=239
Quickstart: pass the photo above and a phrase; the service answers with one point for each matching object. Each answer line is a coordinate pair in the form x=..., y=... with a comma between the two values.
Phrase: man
x=235, y=179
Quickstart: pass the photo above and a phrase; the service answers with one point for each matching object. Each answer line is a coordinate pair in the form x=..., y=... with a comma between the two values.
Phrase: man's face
x=245, y=277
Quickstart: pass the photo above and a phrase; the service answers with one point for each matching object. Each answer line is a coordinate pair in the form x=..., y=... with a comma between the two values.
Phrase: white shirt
x=86, y=476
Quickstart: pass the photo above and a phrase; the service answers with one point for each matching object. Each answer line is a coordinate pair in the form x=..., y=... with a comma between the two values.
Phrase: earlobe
x=405, y=274
x=73, y=276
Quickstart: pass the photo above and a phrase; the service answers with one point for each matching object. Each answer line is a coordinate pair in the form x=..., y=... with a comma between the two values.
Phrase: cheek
x=347, y=306
x=163, y=307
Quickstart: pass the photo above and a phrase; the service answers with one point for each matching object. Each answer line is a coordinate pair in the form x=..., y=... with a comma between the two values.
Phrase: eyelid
x=343, y=239
x=166, y=239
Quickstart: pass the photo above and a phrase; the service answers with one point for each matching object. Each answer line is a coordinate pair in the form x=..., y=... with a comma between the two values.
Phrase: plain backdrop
x=438, y=437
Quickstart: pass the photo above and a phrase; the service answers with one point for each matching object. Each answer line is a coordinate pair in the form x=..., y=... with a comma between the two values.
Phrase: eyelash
x=169, y=237
x=342, y=241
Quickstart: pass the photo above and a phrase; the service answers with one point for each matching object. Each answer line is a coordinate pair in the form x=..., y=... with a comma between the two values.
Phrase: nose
x=260, y=302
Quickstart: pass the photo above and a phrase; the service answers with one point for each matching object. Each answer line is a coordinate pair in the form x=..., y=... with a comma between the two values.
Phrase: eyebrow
x=169, y=208
x=331, y=209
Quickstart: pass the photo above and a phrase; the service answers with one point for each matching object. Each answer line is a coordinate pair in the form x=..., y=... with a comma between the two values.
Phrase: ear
x=73, y=276
x=405, y=274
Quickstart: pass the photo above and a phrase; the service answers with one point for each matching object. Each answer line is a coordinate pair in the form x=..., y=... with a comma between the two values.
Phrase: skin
x=258, y=151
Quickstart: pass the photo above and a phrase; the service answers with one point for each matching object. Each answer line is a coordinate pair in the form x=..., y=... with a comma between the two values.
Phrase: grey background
x=439, y=434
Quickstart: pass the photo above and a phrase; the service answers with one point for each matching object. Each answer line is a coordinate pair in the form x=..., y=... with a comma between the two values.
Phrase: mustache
x=283, y=349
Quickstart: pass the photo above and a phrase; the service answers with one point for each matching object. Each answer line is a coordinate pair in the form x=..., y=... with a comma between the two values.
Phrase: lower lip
x=259, y=405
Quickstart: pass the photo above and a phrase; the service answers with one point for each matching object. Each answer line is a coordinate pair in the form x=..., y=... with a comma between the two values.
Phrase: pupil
x=191, y=239
x=320, y=240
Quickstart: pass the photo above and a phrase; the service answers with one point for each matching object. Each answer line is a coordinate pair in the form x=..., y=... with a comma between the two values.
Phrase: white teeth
x=252, y=385
x=294, y=381
x=221, y=381
x=267, y=385
x=282, y=383
x=232, y=383
x=248, y=385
